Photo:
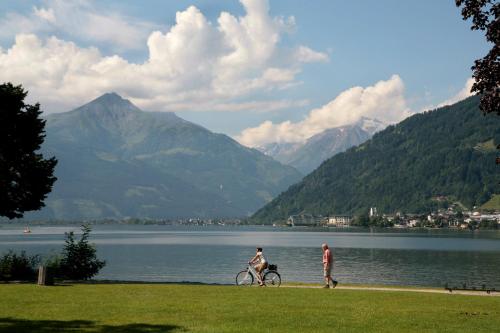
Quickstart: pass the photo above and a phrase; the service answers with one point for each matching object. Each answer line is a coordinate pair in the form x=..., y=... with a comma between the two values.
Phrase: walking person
x=328, y=266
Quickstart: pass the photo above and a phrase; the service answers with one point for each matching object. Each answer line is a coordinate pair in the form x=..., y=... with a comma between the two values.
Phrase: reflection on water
x=215, y=255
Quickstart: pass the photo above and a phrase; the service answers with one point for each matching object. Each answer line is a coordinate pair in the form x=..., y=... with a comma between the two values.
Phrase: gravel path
x=418, y=290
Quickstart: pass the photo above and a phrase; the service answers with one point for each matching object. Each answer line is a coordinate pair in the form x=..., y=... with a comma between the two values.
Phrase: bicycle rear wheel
x=272, y=279
x=244, y=278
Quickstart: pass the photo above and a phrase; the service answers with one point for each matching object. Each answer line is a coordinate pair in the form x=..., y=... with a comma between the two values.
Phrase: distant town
x=443, y=218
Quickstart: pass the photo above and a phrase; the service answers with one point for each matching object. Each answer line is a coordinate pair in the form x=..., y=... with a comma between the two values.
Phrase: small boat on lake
x=27, y=230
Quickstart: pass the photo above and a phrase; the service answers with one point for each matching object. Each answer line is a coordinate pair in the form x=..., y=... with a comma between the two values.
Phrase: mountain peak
x=116, y=162
x=113, y=99
x=370, y=125
x=111, y=96
x=109, y=104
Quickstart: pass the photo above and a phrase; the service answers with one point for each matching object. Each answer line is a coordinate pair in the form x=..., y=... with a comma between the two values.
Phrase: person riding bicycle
x=260, y=263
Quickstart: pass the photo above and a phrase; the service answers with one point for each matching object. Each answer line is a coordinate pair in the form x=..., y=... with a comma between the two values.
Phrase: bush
x=53, y=265
x=18, y=267
x=488, y=224
x=79, y=260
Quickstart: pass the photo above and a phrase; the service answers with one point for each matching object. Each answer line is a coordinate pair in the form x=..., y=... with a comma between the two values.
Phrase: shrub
x=53, y=265
x=79, y=260
x=18, y=267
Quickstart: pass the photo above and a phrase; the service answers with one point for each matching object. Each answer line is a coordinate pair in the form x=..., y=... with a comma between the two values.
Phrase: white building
x=339, y=220
x=412, y=223
x=476, y=216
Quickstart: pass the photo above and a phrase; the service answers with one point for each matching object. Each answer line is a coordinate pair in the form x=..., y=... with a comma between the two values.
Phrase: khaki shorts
x=260, y=267
x=327, y=271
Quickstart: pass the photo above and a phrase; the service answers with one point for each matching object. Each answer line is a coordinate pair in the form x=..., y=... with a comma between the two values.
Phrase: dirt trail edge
x=418, y=290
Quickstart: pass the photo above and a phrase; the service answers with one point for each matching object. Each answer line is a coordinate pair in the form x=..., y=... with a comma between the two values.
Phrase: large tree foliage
x=25, y=176
x=485, y=15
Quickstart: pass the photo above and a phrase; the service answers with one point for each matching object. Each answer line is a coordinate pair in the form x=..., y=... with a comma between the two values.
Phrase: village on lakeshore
x=443, y=218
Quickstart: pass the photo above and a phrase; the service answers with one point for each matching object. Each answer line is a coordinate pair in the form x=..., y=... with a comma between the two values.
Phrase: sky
x=261, y=71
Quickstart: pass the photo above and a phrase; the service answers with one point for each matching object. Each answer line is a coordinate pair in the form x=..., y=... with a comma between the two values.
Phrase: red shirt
x=327, y=257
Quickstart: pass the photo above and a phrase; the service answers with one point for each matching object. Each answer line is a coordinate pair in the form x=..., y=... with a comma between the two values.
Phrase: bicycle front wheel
x=272, y=279
x=244, y=278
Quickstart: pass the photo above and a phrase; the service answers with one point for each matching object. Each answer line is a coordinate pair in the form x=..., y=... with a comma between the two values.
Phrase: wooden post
x=44, y=277
x=42, y=274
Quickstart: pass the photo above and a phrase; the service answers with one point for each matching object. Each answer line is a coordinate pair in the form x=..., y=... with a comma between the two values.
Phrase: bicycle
x=271, y=277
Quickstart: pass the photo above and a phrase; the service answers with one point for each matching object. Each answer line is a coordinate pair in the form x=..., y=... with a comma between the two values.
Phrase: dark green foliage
x=18, y=267
x=53, y=265
x=79, y=260
x=25, y=176
x=488, y=224
x=364, y=220
x=484, y=224
x=444, y=153
x=485, y=15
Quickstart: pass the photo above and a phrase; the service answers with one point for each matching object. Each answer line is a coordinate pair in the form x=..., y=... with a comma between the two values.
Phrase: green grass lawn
x=109, y=308
x=493, y=203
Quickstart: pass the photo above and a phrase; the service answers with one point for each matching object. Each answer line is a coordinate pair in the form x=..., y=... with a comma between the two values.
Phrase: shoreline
x=23, y=224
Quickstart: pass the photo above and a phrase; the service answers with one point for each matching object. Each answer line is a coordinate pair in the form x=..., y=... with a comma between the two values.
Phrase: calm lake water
x=215, y=254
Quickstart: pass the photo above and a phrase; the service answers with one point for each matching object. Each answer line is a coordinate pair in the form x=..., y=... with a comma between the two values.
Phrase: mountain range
x=307, y=156
x=117, y=161
x=430, y=160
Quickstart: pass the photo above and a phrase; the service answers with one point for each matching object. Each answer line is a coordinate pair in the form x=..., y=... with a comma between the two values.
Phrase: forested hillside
x=430, y=159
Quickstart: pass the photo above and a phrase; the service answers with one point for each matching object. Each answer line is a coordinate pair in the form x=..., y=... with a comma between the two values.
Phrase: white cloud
x=462, y=94
x=384, y=101
x=196, y=63
x=45, y=14
x=305, y=54
x=79, y=19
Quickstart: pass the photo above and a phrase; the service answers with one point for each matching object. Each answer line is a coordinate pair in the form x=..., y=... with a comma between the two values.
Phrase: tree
x=25, y=176
x=362, y=220
x=485, y=16
x=79, y=260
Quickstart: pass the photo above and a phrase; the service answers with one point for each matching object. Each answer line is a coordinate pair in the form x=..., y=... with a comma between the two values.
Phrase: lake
x=214, y=254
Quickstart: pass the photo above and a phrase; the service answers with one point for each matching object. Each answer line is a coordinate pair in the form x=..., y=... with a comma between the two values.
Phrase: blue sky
x=249, y=78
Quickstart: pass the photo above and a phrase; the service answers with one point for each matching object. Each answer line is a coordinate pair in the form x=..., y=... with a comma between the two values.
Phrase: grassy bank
x=184, y=308
x=493, y=203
